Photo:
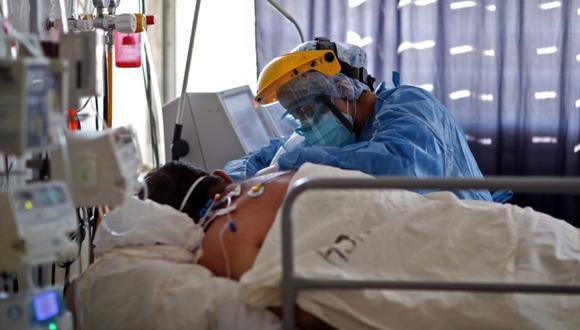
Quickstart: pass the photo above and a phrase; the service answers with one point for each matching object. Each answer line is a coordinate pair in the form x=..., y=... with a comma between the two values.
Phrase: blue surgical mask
x=327, y=131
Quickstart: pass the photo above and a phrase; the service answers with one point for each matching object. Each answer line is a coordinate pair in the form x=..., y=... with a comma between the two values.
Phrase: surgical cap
x=338, y=85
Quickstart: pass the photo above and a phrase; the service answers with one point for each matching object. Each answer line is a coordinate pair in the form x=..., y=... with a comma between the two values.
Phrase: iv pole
x=180, y=147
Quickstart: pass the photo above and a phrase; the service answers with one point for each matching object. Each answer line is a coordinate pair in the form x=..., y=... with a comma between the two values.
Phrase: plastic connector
x=125, y=23
x=141, y=23
x=233, y=226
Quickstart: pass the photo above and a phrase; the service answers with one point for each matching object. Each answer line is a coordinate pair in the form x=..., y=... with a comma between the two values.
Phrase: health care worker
x=402, y=131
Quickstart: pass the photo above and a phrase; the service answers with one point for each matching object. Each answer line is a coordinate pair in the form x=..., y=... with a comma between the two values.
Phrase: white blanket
x=159, y=287
x=401, y=235
x=145, y=277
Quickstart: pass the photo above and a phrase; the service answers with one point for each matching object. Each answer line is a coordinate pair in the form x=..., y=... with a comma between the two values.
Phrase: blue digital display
x=45, y=306
x=40, y=197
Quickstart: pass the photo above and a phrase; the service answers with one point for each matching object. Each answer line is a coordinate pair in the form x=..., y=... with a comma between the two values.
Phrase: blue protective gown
x=409, y=134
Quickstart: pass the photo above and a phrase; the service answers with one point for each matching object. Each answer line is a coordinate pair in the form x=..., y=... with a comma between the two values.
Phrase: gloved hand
x=294, y=142
x=247, y=166
x=268, y=170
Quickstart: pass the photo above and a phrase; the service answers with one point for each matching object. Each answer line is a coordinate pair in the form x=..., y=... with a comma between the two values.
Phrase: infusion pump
x=102, y=166
x=36, y=221
x=24, y=105
x=38, y=309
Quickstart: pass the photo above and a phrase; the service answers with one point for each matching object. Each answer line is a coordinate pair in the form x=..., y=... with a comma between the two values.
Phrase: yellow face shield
x=286, y=67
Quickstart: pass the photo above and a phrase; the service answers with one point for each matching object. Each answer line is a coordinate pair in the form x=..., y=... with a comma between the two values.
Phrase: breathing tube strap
x=360, y=74
x=191, y=189
x=337, y=113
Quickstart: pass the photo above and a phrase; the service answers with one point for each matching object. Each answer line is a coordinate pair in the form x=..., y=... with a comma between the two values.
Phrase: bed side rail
x=291, y=284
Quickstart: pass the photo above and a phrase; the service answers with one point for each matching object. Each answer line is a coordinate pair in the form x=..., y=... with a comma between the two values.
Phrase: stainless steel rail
x=292, y=284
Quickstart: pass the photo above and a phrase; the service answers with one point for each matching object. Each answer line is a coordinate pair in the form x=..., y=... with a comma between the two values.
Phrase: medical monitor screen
x=46, y=306
x=246, y=122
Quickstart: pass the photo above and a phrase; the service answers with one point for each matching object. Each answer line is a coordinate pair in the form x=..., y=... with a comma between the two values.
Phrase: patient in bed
x=255, y=210
x=392, y=234
x=153, y=233
x=253, y=215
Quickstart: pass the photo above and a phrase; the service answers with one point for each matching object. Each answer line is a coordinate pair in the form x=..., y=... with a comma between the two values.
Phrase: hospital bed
x=291, y=283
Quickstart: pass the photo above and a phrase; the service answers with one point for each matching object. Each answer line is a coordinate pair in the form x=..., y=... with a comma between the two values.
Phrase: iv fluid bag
x=127, y=50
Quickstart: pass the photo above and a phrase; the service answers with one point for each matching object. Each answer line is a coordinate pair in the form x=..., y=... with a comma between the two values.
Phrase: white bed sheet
x=401, y=235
